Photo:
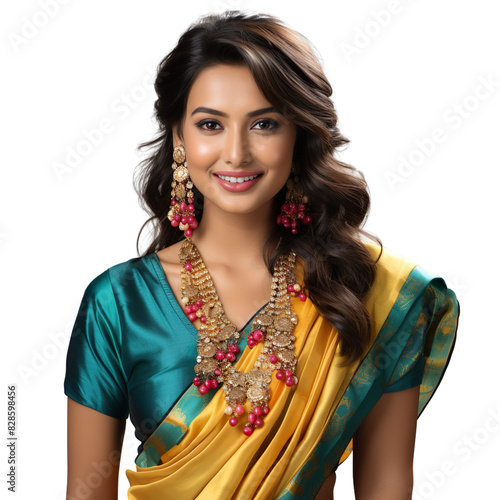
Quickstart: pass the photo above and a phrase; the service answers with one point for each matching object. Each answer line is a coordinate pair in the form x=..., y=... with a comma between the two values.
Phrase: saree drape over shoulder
x=195, y=453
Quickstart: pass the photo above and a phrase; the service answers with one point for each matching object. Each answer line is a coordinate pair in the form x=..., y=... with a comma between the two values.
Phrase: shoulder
x=170, y=255
x=400, y=284
x=390, y=265
x=115, y=278
x=392, y=272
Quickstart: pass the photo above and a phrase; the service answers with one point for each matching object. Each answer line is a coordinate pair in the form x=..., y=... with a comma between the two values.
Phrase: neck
x=232, y=239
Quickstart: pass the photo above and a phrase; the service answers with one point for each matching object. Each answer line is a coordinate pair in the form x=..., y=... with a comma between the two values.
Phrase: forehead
x=224, y=86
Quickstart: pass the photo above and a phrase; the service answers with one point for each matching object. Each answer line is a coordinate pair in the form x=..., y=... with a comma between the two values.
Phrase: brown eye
x=270, y=124
x=205, y=122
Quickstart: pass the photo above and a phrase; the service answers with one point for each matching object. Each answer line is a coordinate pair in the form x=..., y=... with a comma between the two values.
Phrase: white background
x=413, y=67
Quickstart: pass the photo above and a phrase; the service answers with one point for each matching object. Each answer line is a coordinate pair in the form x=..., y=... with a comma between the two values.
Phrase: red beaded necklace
x=217, y=337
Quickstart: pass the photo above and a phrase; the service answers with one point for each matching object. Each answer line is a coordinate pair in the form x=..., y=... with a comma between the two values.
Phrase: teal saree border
x=423, y=304
x=185, y=409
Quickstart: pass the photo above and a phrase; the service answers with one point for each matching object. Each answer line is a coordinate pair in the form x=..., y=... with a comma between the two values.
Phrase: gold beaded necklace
x=217, y=337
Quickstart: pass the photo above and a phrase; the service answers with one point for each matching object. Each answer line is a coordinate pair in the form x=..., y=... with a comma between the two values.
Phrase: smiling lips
x=237, y=182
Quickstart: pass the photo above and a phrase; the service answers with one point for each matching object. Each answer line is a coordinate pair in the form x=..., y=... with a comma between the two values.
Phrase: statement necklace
x=218, y=337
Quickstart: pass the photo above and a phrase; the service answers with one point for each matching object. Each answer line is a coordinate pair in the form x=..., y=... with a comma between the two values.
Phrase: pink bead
x=213, y=383
x=290, y=381
x=194, y=224
x=217, y=371
x=265, y=410
x=203, y=389
x=239, y=409
x=290, y=288
x=192, y=317
x=188, y=266
x=279, y=374
x=295, y=231
x=251, y=343
x=307, y=219
x=258, y=411
x=250, y=336
x=300, y=215
x=188, y=309
x=196, y=381
x=190, y=200
x=258, y=335
x=302, y=296
x=288, y=373
x=273, y=359
x=252, y=418
x=278, y=220
x=190, y=219
x=199, y=303
x=188, y=232
x=258, y=422
x=208, y=383
x=302, y=207
x=184, y=219
x=194, y=308
x=173, y=202
x=294, y=223
x=190, y=207
x=174, y=223
x=177, y=217
x=230, y=356
x=220, y=355
x=203, y=319
x=233, y=421
x=183, y=206
x=247, y=430
x=234, y=348
x=293, y=208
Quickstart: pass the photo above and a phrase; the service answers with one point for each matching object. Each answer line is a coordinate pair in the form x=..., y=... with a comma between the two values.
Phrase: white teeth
x=236, y=179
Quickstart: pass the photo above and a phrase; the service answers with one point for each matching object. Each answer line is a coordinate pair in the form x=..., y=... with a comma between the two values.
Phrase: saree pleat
x=195, y=453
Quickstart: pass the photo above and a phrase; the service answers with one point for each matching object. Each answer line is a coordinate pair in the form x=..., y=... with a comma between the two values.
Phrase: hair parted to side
x=338, y=269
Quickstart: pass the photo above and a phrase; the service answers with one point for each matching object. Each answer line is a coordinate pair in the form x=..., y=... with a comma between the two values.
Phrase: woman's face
x=227, y=129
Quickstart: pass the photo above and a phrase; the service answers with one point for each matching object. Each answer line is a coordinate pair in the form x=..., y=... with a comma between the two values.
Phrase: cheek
x=278, y=155
x=201, y=153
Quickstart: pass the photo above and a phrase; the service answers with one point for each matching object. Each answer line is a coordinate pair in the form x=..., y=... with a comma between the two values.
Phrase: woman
x=260, y=339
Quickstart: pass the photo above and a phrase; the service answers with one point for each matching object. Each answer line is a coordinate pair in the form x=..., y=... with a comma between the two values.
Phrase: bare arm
x=94, y=450
x=326, y=491
x=383, y=448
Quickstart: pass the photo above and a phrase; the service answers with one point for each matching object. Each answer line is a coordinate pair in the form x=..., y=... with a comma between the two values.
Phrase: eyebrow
x=202, y=109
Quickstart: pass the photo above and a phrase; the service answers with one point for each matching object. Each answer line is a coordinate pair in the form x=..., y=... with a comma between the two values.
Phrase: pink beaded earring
x=295, y=209
x=181, y=213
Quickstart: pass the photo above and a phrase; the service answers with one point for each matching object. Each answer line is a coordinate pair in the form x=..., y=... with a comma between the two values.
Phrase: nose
x=236, y=149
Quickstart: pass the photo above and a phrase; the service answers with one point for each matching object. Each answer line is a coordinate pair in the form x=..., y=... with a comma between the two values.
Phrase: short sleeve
x=94, y=372
x=428, y=349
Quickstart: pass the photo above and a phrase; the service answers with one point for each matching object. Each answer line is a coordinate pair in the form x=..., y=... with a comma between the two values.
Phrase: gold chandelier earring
x=295, y=209
x=181, y=213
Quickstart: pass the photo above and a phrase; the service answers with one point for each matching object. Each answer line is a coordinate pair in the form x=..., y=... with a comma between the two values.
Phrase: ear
x=175, y=134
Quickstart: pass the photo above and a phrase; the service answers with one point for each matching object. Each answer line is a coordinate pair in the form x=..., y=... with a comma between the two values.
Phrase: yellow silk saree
x=195, y=453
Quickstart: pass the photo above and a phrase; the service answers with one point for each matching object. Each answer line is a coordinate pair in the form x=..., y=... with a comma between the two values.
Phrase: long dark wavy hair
x=338, y=269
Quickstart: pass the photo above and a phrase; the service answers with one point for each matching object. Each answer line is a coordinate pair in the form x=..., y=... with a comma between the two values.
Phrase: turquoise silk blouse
x=133, y=350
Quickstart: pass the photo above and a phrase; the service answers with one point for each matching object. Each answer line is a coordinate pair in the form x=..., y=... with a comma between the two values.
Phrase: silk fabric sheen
x=194, y=453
